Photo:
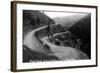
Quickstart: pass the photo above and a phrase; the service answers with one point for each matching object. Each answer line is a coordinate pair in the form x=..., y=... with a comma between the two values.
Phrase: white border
x=21, y=65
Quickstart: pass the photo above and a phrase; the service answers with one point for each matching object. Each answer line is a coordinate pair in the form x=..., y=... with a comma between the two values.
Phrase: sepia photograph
x=47, y=36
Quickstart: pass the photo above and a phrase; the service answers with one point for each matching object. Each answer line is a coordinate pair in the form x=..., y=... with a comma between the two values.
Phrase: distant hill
x=68, y=21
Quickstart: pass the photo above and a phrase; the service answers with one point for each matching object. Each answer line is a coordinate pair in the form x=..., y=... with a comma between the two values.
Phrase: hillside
x=82, y=29
x=34, y=19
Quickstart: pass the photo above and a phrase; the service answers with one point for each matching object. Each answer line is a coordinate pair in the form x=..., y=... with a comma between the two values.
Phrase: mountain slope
x=33, y=19
x=82, y=29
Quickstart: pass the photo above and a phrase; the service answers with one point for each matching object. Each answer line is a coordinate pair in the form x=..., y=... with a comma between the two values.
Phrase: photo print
x=56, y=36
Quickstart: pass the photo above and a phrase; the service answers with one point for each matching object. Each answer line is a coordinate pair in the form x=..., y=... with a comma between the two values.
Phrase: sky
x=57, y=14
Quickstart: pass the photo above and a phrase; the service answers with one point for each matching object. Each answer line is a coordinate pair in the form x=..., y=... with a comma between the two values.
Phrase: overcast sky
x=58, y=14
